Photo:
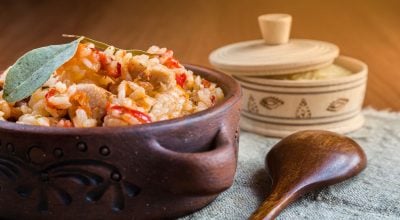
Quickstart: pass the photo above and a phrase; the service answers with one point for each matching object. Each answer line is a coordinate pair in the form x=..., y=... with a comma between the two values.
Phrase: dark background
x=365, y=29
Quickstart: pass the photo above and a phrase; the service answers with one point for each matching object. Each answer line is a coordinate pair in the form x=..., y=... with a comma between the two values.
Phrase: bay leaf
x=34, y=68
x=97, y=44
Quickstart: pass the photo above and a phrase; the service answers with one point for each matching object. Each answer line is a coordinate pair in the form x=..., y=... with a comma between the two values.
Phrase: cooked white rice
x=113, y=88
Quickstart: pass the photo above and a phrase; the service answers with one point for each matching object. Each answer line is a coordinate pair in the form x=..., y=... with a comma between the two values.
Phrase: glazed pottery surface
x=160, y=170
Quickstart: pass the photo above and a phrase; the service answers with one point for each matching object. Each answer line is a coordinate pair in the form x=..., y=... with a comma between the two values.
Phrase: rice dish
x=113, y=88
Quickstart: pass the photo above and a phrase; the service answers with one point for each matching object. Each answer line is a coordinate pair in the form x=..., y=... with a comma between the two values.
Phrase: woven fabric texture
x=373, y=194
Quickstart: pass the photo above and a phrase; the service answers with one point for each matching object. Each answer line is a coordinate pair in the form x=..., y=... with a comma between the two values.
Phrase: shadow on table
x=261, y=184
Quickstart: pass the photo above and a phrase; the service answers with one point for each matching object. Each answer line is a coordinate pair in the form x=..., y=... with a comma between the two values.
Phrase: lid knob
x=275, y=28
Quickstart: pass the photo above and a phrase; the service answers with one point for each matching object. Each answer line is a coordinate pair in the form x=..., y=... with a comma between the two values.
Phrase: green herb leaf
x=97, y=44
x=34, y=68
x=135, y=52
x=104, y=46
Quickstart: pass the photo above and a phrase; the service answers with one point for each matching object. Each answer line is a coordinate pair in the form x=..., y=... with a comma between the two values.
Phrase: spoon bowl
x=305, y=161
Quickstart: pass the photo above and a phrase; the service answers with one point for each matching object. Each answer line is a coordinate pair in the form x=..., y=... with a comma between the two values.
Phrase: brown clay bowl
x=159, y=170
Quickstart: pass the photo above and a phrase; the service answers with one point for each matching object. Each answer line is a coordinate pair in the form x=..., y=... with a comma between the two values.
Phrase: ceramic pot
x=159, y=170
x=276, y=107
x=281, y=107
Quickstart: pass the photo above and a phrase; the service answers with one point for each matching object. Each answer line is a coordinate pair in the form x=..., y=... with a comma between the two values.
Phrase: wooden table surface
x=365, y=29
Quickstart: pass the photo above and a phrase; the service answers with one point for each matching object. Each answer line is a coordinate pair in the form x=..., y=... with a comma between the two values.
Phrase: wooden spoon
x=305, y=161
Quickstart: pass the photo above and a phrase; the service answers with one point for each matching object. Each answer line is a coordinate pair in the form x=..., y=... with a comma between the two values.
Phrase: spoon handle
x=273, y=205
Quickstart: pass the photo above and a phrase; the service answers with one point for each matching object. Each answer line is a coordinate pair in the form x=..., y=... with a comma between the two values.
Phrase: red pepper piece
x=117, y=72
x=180, y=79
x=206, y=83
x=52, y=92
x=103, y=59
x=213, y=99
x=106, y=65
x=172, y=63
x=140, y=116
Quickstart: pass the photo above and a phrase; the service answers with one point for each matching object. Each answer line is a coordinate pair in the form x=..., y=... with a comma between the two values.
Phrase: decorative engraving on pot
x=58, y=152
x=81, y=146
x=10, y=147
x=104, y=150
x=37, y=155
x=252, y=105
x=337, y=104
x=237, y=136
x=97, y=176
x=8, y=169
x=303, y=111
x=271, y=102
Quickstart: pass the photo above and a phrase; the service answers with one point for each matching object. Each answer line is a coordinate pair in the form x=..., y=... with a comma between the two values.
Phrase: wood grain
x=304, y=162
x=365, y=29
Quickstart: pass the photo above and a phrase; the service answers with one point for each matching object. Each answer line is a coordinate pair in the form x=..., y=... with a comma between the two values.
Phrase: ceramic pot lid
x=275, y=54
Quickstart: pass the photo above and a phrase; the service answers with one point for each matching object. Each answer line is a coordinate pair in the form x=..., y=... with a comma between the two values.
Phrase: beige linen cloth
x=374, y=194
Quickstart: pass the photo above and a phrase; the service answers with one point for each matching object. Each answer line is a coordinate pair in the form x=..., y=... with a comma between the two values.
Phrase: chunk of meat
x=98, y=98
x=137, y=67
x=161, y=75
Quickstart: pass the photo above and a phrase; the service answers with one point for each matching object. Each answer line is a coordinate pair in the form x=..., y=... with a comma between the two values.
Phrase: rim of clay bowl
x=343, y=61
x=232, y=93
